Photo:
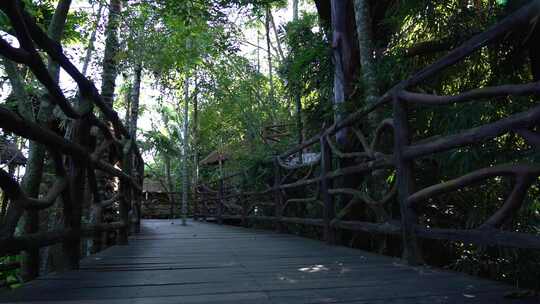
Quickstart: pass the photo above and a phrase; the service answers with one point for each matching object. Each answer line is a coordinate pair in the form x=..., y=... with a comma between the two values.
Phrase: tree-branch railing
x=331, y=198
x=98, y=143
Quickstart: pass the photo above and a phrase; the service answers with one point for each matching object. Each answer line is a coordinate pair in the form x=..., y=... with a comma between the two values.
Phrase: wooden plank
x=208, y=263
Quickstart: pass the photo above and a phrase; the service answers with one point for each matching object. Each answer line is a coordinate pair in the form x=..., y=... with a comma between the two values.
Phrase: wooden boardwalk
x=208, y=263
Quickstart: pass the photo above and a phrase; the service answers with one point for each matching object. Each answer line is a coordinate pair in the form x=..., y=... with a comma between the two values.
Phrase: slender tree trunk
x=365, y=42
x=195, y=149
x=274, y=28
x=339, y=73
x=110, y=64
x=108, y=85
x=298, y=97
x=135, y=101
x=269, y=54
x=128, y=97
x=91, y=42
x=185, y=151
x=170, y=185
x=258, y=52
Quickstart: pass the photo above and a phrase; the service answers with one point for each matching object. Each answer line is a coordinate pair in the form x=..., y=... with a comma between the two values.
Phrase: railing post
x=278, y=199
x=205, y=205
x=405, y=183
x=96, y=211
x=124, y=214
x=30, y=257
x=139, y=215
x=326, y=184
x=220, y=202
x=73, y=199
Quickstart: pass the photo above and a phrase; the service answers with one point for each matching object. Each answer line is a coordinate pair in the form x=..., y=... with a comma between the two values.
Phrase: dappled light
x=313, y=269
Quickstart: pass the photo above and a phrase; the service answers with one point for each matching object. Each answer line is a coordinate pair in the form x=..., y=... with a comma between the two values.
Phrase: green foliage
x=11, y=278
x=308, y=70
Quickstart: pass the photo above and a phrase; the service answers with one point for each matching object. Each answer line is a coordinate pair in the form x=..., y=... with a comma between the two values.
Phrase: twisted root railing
x=371, y=163
x=95, y=144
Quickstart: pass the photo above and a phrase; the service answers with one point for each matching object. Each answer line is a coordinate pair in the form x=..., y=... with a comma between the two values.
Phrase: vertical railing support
x=326, y=184
x=124, y=213
x=31, y=256
x=204, y=202
x=278, y=198
x=73, y=199
x=405, y=182
x=139, y=215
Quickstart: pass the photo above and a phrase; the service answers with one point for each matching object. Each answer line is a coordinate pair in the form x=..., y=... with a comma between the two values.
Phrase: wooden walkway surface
x=208, y=263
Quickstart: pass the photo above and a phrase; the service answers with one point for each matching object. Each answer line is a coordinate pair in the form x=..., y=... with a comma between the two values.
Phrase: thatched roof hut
x=153, y=186
x=9, y=154
x=214, y=158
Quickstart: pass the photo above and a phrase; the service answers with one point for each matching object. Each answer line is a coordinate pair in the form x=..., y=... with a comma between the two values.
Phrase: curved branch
x=11, y=122
x=518, y=121
x=363, y=141
x=482, y=93
x=18, y=55
x=38, y=204
x=340, y=154
x=519, y=170
x=14, y=12
x=513, y=202
x=533, y=138
x=385, y=124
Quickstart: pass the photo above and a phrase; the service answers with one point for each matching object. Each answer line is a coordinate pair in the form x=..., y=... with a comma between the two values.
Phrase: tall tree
x=195, y=147
x=92, y=40
x=345, y=59
x=298, y=95
x=110, y=60
x=365, y=43
x=185, y=152
x=269, y=55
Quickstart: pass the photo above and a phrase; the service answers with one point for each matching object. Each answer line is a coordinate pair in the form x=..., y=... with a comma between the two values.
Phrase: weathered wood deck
x=208, y=263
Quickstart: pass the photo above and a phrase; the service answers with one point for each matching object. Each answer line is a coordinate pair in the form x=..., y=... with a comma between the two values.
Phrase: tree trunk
x=128, y=104
x=135, y=101
x=90, y=48
x=195, y=149
x=170, y=185
x=345, y=60
x=110, y=64
x=185, y=150
x=108, y=85
x=298, y=96
x=365, y=43
x=274, y=28
x=269, y=54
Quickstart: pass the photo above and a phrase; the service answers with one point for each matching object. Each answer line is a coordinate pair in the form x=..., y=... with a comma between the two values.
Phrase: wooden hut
x=156, y=199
